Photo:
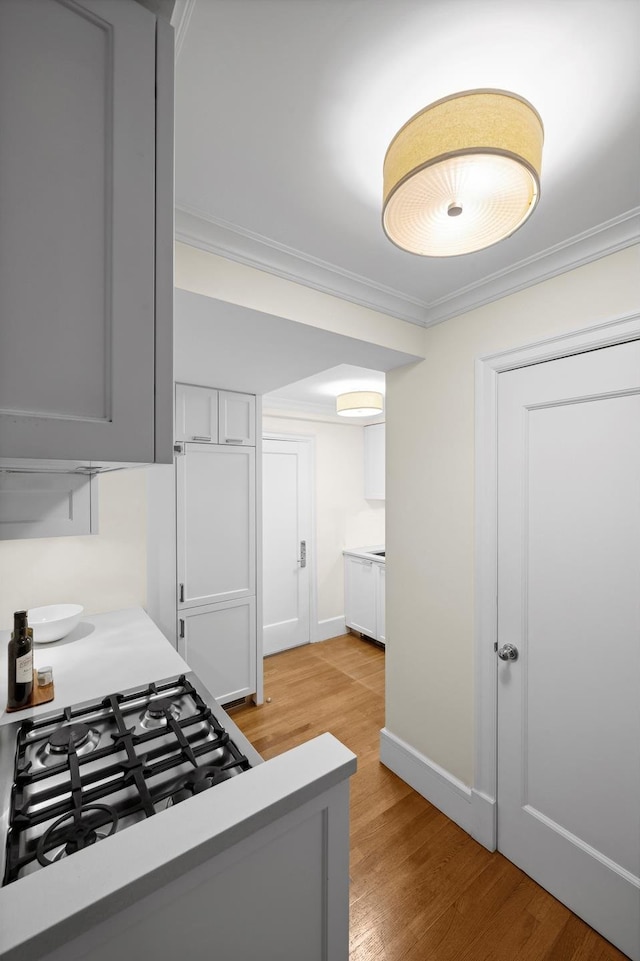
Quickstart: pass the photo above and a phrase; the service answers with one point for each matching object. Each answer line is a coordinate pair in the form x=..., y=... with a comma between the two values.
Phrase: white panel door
x=77, y=253
x=216, y=555
x=218, y=642
x=569, y=601
x=286, y=525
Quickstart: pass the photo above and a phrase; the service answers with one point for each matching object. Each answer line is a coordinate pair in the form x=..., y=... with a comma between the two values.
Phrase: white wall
x=343, y=517
x=103, y=572
x=430, y=497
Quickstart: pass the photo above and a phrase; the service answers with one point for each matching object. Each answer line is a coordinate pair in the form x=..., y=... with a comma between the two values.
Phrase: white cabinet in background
x=380, y=608
x=216, y=498
x=374, y=462
x=364, y=605
x=210, y=416
x=196, y=414
x=237, y=418
x=86, y=232
x=218, y=641
x=217, y=541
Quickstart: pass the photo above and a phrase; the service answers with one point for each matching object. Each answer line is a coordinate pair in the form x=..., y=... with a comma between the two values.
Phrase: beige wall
x=103, y=572
x=430, y=497
x=213, y=276
x=343, y=517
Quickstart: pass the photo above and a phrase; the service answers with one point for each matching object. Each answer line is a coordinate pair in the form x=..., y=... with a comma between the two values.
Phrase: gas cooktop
x=85, y=772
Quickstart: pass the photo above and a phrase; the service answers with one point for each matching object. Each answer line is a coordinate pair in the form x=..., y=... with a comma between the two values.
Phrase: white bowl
x=53, y=622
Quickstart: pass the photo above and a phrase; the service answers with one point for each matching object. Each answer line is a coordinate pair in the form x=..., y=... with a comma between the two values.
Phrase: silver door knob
x=508, y=653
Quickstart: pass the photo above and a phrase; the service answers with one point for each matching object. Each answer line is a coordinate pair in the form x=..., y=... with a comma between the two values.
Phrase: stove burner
x=201, y=780
x=62, y=739
x=73, y=738
x=157, y=712
x=74, y=831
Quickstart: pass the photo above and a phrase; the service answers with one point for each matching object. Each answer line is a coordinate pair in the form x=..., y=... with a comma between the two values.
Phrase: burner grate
x=87, y=772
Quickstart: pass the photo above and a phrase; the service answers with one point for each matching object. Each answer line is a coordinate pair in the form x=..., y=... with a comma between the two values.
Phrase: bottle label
x=24, y=668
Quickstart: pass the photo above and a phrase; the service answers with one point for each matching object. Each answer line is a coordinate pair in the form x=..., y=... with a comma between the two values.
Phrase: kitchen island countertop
x=74, y=907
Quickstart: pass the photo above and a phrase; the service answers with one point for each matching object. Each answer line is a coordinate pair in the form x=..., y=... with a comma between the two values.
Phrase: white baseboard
x=470, y=809
x=330, y=627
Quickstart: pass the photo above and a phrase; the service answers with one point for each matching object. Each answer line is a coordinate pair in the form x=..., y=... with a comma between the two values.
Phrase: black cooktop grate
x=130, y=774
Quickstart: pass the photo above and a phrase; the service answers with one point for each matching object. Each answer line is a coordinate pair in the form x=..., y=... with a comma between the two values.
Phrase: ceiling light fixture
x=463, y=173
x=359, y=403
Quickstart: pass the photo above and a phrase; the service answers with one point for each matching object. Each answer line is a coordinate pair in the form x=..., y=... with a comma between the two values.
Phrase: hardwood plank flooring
x=421, y=888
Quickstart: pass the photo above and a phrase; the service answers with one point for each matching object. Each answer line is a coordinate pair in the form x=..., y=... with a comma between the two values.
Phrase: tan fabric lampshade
x=463, y=173
x=359, y=403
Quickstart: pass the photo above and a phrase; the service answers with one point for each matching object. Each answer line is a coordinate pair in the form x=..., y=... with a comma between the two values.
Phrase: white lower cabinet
x=218, y=641
x=364, y=596
x=380, y=599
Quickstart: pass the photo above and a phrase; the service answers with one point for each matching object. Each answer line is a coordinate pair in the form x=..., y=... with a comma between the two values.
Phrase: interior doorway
x=569, y=632
x=288, y=550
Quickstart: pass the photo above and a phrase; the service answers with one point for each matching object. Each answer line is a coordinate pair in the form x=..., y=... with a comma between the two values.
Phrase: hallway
x=421, y=888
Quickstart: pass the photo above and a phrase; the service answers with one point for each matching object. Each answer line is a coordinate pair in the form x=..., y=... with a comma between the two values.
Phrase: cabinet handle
x=181, y=594
x=201, y=437
x=234, y=440
x=181, y=634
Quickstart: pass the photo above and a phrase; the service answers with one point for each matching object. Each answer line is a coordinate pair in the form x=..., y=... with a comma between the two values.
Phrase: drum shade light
x=359, y=403
x=463, y=173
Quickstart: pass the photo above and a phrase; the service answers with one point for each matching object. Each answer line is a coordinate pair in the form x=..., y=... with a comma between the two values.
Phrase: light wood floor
x=421, y=888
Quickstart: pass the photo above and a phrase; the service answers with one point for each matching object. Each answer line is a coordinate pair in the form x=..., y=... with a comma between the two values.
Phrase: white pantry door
x=569, y=601
x=286, y=513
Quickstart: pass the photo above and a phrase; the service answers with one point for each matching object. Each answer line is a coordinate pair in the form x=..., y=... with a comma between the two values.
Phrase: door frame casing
x=487, y=370
x=310, y=440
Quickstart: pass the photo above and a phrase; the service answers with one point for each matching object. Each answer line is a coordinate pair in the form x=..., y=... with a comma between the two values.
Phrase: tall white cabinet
x=217, y=539
x=86, y=231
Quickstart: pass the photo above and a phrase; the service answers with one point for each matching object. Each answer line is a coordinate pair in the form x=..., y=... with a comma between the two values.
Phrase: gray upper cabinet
x=86, y=231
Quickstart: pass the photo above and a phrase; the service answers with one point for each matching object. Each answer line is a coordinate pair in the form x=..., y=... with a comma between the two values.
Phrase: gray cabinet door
x=77, y=232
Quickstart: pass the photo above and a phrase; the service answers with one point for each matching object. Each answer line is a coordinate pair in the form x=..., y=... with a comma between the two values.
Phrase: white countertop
x=108, y=652
x=105, y=653
x=368, y=553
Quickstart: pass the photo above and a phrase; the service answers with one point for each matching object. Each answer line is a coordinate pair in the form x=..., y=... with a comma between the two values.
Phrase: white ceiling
x=316, y=395
x=285, y=108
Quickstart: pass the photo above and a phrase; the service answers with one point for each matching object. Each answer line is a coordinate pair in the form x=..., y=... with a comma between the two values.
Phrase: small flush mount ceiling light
x=359, y=403
x=463, y=173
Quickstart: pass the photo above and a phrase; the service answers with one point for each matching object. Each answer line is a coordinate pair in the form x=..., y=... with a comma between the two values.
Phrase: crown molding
x=327, y=409
x=200, y=230
x=581, y=249
x=203, y=231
